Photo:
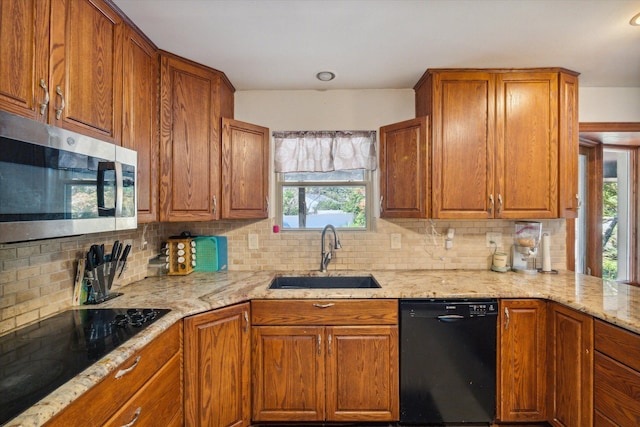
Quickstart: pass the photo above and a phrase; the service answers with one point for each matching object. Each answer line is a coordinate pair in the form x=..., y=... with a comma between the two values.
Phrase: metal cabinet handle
x=246, y=321
x=329, y=339
x=499, y=203
x=266, y=199
x=135, y=417
x=45, y=103
x=579, y=201
x=319, y=345
x=381, y=199
x=215, y=204
x=324, y=305
x=121, y=373
x=62, y=104
x=491, y=204
x=506, y=314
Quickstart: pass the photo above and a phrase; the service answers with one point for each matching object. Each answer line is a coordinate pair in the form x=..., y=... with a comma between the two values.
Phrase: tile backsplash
x=36, y=278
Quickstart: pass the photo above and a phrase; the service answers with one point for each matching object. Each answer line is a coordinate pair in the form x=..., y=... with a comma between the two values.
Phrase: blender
x=525, y=246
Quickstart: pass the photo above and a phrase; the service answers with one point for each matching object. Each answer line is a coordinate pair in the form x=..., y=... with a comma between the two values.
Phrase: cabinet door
x=24, y=57
x=463, y=145
x=404, y=170
x=571, y=367
x=86, y=68
x=217, y=368
x=189, y=142
x=568, y=147
x=527, y=145
x=288, y=373
x=362, y=373
x=245, y=170
x=140, y=118
x=522, y=361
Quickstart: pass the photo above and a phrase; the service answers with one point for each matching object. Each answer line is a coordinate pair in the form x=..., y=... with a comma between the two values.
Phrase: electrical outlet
x=495, y=237
x=253, y=241
x=396, y=240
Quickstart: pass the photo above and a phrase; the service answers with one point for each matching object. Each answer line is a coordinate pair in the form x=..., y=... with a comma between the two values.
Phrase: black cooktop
x=37, y=359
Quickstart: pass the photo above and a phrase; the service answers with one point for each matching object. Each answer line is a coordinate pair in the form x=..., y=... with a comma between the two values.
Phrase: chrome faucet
x=326, y=256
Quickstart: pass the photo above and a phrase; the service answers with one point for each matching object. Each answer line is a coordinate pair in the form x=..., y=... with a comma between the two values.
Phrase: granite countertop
x=200, y=292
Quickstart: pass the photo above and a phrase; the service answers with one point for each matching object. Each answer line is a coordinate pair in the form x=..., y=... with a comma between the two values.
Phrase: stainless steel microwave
x=56, y=183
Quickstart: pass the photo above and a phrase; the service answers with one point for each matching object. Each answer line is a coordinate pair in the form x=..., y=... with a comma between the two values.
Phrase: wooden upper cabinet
x=245, y=170
x=193, y=100
x=24, y=57
x=569, y=147
x=463, y=145
x=404, y=169
x=217, y=368
x=527, y=145
x=504, y=142
x=86, y=68
x=522, y=361
x=140, y=118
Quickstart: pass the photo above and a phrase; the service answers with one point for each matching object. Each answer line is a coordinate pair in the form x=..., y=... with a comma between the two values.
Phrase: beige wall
x=36, y=279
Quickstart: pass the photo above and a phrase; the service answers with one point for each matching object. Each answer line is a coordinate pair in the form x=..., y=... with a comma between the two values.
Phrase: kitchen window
x=324, y=178
x=606, y=228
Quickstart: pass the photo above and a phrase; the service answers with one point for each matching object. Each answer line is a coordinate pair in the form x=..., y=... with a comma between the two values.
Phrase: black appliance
x=37, y=359
x=56, y=183
x=448, y=361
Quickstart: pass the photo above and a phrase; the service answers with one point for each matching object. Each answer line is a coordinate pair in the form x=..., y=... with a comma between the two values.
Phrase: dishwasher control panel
x=482, y=309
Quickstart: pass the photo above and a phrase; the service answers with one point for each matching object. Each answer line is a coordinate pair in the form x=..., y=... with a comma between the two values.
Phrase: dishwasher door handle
x=450, y=317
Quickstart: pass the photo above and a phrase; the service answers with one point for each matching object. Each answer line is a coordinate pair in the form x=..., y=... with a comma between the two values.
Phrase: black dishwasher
x=448, y=361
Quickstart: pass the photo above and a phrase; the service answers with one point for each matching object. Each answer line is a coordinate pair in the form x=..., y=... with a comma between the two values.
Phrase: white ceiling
x=375, y=44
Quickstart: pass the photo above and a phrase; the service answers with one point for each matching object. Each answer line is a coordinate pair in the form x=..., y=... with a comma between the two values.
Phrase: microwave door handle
x=119, y=188
x=102, y=168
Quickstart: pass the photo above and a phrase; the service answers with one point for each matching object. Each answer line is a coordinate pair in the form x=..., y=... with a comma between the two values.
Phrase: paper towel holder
x=546, y=255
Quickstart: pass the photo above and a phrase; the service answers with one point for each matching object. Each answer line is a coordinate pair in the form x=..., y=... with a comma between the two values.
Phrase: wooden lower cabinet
x=310, y=365
x=146, y=387
x=570, y=367
x=616, y=376
x=217, y=367
x=522, y=360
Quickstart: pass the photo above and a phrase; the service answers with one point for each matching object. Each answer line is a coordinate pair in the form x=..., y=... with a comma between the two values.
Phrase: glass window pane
x=616, y=215
x=305, y=207
x=335, y=176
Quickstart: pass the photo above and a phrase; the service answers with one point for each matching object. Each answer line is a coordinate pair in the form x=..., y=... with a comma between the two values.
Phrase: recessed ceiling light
x=635, y=20
x=325, y=76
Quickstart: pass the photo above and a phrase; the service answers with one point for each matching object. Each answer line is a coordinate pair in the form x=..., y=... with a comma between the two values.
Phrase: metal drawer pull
x=499, y=203
x=329, y=348
x=324, y=305
x=215, y=205
x=246, y=321
x=123, y=372
x=381, y=199
x=506, y=314
x=319, y=345
x=62, y=104
x=135, y=418
x=45, y=103
x=491, y=204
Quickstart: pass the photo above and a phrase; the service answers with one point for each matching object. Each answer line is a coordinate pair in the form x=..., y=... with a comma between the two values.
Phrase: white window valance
x=324, y=151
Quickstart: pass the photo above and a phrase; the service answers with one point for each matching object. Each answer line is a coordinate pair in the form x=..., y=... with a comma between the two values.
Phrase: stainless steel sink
x=324, y=282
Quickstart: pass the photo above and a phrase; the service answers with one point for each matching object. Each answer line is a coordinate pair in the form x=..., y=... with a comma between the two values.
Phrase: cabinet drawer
x=325, y=312
x=618, y=343
x=156, y=402
x=617, y=391
x=101, y=401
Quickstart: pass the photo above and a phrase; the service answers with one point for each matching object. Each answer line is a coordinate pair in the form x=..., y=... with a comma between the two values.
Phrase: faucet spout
x=325, y=257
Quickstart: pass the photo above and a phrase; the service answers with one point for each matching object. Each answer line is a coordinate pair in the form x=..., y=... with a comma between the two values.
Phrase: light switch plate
x=253, y=241
x=396, y=240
